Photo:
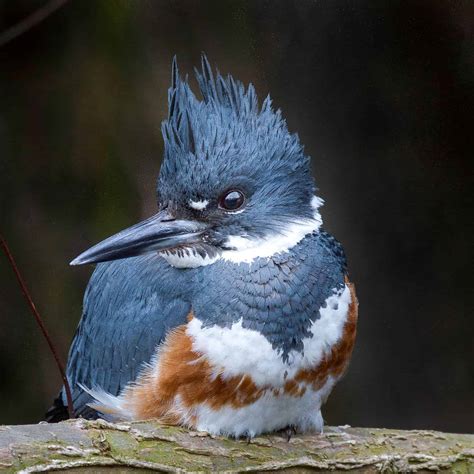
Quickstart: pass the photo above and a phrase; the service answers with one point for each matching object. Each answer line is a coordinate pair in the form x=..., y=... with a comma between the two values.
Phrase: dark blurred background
x=381, y=94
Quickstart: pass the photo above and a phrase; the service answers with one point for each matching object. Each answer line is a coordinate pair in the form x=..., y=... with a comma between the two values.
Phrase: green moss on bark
x=99, y=446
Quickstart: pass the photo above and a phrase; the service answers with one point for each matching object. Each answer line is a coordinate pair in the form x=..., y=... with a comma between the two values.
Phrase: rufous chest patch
x=181, y=378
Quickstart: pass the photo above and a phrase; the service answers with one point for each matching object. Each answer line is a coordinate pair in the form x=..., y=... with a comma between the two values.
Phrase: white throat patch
x=187, y=259
x=245, y=250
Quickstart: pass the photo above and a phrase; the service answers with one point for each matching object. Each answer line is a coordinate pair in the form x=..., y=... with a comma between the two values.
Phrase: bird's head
x=234, y=182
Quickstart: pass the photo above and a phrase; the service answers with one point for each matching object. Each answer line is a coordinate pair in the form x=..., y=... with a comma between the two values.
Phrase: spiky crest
x=224, y=99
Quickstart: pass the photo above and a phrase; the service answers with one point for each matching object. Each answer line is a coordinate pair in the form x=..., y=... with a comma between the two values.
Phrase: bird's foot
x=289, y=431
x=243, y=437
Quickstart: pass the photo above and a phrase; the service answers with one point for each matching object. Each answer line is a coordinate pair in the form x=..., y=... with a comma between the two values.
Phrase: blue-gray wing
x=129, y=307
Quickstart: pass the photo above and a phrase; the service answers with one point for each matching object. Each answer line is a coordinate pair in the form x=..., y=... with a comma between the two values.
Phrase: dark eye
x=232, y=200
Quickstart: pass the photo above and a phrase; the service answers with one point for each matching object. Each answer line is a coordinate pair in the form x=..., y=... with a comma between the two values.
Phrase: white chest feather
x=236, y=350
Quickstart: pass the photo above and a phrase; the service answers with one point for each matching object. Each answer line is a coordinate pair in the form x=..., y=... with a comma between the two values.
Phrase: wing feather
x=129, y=307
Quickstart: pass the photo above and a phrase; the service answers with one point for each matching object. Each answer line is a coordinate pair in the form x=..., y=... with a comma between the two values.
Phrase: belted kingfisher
x=229, y=311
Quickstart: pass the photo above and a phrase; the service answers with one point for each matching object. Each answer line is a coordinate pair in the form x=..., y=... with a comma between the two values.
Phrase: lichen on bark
x=99, y=446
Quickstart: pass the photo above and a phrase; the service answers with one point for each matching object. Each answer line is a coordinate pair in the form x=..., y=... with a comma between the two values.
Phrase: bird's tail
x=58, y=412
x=110, y=407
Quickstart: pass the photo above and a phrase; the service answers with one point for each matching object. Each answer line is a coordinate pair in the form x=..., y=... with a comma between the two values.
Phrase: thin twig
x=26, y=294
x=30, y=21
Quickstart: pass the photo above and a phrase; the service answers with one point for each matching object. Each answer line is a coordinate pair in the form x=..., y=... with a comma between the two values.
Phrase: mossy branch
x=96, y=445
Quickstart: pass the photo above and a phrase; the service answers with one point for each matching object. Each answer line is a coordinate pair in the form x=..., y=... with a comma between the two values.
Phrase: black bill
x=159, y=232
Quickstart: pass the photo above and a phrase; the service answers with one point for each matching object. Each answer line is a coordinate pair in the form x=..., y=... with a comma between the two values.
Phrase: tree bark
x=99, y=446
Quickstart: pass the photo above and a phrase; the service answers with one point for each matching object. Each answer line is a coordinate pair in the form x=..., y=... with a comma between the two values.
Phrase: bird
x=230, y=311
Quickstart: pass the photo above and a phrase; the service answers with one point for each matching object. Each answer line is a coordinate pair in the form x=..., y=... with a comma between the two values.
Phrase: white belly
x=269, y=413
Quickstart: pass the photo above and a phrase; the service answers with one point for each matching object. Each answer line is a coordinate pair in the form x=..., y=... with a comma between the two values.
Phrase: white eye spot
x=198, y=205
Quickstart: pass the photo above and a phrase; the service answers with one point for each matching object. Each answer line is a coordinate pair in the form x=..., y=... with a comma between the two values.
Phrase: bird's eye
x=232, y=200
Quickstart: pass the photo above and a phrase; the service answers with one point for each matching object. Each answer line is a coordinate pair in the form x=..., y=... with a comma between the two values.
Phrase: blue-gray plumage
x=131, y=304
x=264, y=293
x=237, y=240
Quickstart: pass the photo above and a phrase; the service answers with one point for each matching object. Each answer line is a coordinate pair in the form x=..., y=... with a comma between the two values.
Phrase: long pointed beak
x=159, y=232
